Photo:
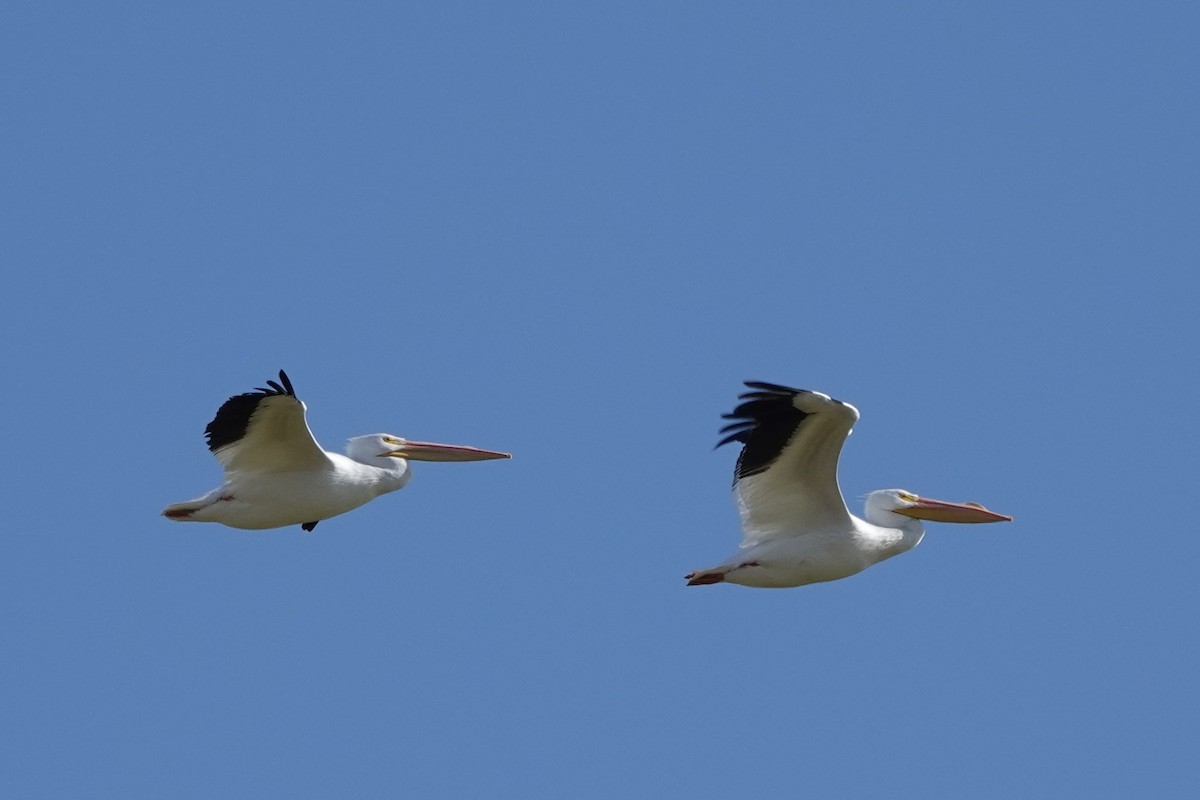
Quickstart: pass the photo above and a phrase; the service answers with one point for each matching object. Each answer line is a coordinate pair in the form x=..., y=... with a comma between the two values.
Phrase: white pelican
x=795, y=525
x=276, y=474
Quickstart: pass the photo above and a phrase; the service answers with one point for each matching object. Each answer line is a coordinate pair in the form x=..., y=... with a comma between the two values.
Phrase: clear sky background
x=571, y=231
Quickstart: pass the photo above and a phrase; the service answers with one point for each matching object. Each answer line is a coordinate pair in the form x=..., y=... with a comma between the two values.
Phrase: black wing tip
x=738, y=431
x=767, y=404
x=761, y=390
x=763, y=422
x=233, y=416
x=772, y=388
x=276, y=388
x=733, y=437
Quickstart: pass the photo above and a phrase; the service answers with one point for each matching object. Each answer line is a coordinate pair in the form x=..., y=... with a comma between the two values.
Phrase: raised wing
x=785, y=483
x=264, y=431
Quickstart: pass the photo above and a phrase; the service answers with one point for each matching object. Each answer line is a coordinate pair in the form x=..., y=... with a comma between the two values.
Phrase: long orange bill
x=432, y=451
x=941, y=511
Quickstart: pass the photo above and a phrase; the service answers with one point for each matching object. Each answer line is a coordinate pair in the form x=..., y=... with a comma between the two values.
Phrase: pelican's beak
x=941, y=511
x=432, y=451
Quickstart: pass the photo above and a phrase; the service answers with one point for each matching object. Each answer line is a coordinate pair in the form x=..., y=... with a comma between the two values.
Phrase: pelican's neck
x=892, y=534
x=393, y=476
x=382, y=473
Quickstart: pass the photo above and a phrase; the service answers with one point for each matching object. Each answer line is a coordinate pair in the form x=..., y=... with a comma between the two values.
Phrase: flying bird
x=796, y=528
x=276, y=474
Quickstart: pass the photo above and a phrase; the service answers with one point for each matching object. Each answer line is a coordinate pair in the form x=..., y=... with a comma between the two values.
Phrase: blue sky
x=570, y=232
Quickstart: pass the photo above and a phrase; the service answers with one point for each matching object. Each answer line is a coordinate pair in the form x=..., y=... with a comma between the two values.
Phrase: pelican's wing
x=785, y=483
x=264, y=431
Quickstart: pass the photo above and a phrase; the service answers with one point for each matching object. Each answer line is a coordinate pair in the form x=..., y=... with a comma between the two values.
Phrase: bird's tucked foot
x=700, y=578
x=703, y=577
x=308, y=526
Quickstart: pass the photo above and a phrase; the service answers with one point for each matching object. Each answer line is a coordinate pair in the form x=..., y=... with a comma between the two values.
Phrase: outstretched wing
x=264, y=431
x=785, y=483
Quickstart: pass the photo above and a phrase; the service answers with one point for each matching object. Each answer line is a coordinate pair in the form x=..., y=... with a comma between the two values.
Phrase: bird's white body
x=796, y=528
x=276, y=474
x=826, y=553
x=274, y=499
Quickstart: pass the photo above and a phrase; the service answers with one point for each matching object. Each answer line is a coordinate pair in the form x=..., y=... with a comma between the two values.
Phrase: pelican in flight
x=795, y=526
x=276, y=474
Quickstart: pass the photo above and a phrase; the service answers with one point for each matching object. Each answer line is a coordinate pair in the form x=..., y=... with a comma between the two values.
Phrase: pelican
x=796, y=528
x=276, y=474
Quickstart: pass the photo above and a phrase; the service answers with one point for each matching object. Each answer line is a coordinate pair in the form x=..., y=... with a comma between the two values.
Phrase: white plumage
x=276, y=474
x=796, y=527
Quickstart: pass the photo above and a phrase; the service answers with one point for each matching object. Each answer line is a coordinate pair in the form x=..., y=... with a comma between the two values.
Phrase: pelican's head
x=884, y=504
x=384, y=445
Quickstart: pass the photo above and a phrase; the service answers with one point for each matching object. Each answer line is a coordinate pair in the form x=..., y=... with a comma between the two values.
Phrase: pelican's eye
x=908, y=497
x=392, y=440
